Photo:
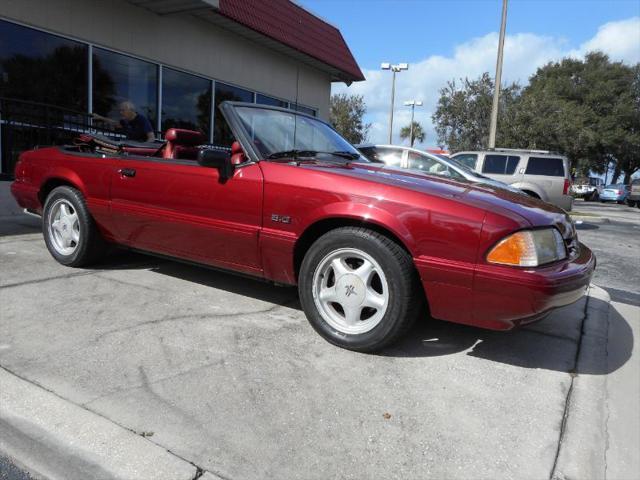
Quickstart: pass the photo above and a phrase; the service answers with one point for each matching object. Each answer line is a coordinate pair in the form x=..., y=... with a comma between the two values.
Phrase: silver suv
x=540, y=173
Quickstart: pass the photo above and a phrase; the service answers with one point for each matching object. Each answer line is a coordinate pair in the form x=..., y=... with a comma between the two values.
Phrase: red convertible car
x=369, y=246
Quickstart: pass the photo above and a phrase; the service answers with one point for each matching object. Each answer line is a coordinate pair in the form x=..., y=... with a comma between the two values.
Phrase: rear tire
x=69, y=230
x=359, y=289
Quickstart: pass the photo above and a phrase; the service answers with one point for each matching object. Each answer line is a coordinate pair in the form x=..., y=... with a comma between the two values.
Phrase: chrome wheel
x=64, y=227
x=350, y=291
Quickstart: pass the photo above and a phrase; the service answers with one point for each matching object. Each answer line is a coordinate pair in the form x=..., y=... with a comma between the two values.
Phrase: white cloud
x=620, y=40
x=524, y=53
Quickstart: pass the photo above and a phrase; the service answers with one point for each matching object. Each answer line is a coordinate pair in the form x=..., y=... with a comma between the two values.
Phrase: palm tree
x=418, y=133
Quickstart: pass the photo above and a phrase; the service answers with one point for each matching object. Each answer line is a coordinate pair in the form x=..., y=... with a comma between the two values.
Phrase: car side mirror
x=219, y=159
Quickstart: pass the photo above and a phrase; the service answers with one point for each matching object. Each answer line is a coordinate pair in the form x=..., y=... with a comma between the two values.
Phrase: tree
x=463, y=113
x=346, y=115
x=418, y=133
x=587, y=109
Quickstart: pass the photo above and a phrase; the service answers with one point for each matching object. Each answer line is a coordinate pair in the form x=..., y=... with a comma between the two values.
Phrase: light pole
x=395, y=69
x=496, y=90
x=413, y=104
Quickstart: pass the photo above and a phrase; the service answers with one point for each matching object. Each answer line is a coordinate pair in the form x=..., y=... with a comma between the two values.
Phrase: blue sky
x=449, y=39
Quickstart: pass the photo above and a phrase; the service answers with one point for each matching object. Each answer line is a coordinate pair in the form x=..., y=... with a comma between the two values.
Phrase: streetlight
x=496, y=90
x=413, y=104
x=395, y=69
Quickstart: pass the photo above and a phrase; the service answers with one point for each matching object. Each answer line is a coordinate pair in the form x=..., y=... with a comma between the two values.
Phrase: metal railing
x=25, y=125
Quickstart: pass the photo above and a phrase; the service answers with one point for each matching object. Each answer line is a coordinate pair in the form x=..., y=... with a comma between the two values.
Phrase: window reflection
x=186, y=101
x=36, y=66
x=303, y=109
x=41, y=67
x=266, y=100
x=222, y=133
x=118, y=78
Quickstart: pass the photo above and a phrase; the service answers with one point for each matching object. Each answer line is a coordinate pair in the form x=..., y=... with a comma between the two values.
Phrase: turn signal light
x=529, y=248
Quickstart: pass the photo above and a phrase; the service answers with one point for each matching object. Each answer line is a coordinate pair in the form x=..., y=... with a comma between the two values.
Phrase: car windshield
x=286, y=134
x=615, y=186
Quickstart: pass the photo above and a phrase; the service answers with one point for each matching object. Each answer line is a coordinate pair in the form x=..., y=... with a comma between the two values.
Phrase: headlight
x=529, y=248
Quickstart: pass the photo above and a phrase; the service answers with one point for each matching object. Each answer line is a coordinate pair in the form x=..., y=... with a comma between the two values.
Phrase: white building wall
x=180, y=41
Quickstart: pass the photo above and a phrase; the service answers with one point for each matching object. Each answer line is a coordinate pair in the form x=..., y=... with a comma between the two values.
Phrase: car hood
x=488, y=196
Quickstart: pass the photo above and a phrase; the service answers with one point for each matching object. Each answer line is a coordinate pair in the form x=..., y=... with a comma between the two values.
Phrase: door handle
x=127, y=172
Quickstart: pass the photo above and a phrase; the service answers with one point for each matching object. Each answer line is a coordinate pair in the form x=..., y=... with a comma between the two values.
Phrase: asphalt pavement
x=612, y=231
x=217, y=376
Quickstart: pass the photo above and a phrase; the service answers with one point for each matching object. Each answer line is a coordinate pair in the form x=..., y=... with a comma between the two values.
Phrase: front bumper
x=506, y=297
x=501, y=298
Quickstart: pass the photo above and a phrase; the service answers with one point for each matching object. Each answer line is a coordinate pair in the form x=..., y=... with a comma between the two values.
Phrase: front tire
x=70, y=232
x=359, y=289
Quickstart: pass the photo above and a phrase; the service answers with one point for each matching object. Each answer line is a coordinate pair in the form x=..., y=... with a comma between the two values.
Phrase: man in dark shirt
x=134, y=125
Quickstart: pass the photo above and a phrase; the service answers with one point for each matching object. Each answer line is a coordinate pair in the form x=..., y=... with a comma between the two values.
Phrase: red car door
x=179, y=208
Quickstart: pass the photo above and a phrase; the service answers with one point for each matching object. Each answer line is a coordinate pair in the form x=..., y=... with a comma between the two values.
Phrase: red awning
x=281, y=25
x=292, y=25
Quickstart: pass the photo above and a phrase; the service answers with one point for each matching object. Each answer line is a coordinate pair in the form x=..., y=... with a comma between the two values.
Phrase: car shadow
x=235, y=283
x=19, y=224
x=550, y=344
x=540, y=345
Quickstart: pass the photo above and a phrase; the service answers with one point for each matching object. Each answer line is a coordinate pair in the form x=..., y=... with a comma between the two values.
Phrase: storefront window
x=186, y=101
x=41, y=67
x=266, y=100
x=222, y=135
x=303, y=109
x=118, y=78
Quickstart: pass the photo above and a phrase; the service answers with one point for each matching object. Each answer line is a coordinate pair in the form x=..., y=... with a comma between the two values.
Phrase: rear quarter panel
x=91, y=174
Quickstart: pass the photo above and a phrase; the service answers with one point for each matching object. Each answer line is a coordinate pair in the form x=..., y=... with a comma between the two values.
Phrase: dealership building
x=176, y=60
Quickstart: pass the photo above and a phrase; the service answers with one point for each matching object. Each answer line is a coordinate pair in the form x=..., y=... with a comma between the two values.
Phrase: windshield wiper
x=349, y=155
x=292, y=154
x=312, y=153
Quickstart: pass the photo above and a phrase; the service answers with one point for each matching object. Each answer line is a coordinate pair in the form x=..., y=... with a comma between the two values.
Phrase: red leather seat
x=237, y=154
x=182, y=144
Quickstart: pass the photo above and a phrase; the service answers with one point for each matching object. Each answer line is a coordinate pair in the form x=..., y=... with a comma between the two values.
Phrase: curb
x=52, y=438
x=583, y=440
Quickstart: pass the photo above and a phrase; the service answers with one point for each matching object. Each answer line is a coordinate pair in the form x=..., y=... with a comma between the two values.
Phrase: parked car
x=617, y=192
x=634, y=194
x=294, y=203
x=539, y=173
x=425, y=162
x=588, y=188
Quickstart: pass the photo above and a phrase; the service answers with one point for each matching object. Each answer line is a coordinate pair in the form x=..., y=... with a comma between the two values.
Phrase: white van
x=540, y=173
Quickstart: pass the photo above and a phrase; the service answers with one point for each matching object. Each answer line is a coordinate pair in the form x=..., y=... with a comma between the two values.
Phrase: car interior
x=179, y=144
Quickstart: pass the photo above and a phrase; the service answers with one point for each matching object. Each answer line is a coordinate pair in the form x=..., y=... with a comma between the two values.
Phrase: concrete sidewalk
x=226, y=373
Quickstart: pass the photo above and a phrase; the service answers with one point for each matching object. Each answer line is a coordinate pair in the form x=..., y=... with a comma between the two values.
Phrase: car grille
x=573, y=247
x=570, y=236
